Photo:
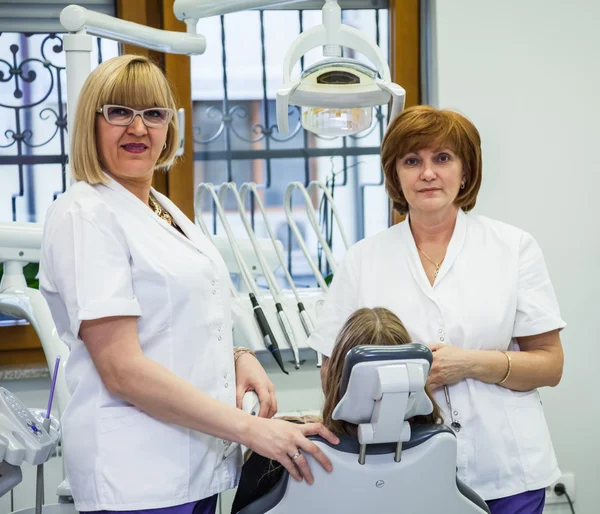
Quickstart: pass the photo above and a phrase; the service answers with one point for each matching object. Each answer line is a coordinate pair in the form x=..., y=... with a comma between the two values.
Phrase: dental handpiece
x=268, y=337
x=39, y=486
x=286, y=328
x=272, y=284
x=304, y=316
x=309, y=329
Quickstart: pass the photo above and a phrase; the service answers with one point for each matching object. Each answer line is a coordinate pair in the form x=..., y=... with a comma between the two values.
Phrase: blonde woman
x=377, y=326
x=141, y=298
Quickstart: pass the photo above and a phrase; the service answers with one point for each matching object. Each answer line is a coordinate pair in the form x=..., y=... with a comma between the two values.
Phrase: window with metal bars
x=33, y=122
x=236, y=138
x=235, y=135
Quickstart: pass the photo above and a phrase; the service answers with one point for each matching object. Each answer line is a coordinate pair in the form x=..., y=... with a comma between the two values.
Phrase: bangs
x=139, y=84
x=437, y=131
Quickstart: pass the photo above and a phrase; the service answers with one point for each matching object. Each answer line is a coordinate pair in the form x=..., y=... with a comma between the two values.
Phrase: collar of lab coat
x=454, y=247
x=195, y=237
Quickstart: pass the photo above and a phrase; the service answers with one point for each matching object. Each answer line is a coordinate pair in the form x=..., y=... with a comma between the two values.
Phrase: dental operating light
x=336, y=95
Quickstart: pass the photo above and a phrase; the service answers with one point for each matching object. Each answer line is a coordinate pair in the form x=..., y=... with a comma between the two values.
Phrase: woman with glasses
x=475, y=290
x=141, y=297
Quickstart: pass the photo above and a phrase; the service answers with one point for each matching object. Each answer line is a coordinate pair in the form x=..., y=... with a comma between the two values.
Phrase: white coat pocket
x=134, y=449
x=532, y=438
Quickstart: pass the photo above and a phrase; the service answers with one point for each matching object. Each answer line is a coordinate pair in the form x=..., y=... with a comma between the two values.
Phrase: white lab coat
x=105, y=253
x=492, y=287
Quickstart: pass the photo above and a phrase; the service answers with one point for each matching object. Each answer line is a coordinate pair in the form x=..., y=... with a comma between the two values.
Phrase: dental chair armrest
x=269, y=500
x=11, y=477
x=467, y=492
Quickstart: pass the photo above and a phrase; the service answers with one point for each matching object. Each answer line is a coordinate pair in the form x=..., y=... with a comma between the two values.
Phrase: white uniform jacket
x=493, y=287
x=105, y=253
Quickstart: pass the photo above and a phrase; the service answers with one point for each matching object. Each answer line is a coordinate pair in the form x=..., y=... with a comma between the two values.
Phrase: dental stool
x=390, y=467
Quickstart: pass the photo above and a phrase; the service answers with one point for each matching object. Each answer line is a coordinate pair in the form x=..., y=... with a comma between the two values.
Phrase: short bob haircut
x=427, y=127
x=129, y=80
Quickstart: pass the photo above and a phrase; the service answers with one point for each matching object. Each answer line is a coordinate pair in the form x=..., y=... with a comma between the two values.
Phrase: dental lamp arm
x=197, y=9
x=76, y=18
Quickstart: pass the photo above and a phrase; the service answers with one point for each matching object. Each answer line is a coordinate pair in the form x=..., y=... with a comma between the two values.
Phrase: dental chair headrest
x=381, y=388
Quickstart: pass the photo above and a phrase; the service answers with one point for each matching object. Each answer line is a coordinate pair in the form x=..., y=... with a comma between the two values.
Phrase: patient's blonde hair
x=378, y=326
x=128, y=80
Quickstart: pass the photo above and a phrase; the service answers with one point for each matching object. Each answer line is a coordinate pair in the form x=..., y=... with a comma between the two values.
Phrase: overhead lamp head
x=336, y=95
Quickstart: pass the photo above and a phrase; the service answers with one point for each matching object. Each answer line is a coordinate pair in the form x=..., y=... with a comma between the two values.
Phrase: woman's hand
x=251, y=376
x=450, y=365
x=286, y=442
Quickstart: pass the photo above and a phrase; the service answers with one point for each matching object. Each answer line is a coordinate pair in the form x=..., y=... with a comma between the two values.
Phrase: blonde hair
x=378, y=326
x=127, y=80
x=421, y=127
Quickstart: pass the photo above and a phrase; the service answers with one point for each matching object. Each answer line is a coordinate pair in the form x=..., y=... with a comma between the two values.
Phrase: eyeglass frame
x=103, y=110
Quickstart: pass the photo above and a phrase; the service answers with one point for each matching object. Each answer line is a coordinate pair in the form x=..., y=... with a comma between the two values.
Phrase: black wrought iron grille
x=33, y=122
x=236, y=139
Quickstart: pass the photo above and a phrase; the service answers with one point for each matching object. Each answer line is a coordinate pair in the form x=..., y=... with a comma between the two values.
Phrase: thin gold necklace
x=437, y=266
x=159, y=211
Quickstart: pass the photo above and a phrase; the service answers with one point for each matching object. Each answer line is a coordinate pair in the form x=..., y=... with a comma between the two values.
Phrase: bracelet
x=507, y=371
x=238, y=352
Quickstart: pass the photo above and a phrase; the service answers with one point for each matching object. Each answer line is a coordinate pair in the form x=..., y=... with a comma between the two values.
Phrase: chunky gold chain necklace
x=437, y=266
x=159, y=211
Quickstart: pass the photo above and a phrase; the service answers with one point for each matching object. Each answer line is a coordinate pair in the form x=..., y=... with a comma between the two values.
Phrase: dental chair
x=390, y=467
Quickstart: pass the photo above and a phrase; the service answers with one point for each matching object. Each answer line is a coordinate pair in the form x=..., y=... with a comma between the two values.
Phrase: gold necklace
x=437, y=266
x=159, y=211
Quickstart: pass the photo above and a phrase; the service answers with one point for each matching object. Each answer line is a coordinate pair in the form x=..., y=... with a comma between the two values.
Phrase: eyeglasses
x=123, y=116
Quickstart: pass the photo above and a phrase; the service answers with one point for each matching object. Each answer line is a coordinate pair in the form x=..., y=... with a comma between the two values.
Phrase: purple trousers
x=206, y=506
x=530, y=502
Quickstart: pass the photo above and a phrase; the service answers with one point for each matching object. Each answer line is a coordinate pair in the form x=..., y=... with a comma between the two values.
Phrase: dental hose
x=39, y=483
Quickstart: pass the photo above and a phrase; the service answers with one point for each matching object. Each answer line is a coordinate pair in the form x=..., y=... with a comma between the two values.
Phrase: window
x=236, y=138
x=33, y=122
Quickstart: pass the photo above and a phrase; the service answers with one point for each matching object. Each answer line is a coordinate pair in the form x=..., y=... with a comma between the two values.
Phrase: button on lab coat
x=105, y=253
x=493, y=287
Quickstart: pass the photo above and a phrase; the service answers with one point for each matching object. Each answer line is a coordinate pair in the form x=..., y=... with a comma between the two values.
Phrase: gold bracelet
x=507, y=371
x=238, y=352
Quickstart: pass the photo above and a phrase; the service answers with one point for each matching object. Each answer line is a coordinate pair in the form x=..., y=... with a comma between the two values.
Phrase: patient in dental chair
x=377, y=326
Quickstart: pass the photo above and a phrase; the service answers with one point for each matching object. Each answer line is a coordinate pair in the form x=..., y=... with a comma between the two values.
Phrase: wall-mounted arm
x=197, y=9
x=76, y=18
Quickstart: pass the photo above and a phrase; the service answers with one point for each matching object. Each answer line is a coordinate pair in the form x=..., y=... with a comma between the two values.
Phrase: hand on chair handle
x=281, y=441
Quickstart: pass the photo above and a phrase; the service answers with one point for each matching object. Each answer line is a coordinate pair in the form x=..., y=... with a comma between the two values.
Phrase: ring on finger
x=295, y=456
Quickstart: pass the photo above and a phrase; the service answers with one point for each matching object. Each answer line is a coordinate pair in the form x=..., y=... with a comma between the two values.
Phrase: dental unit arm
x=268, y=337
x=20, y=244
x=284, y=322
x=305, y=318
